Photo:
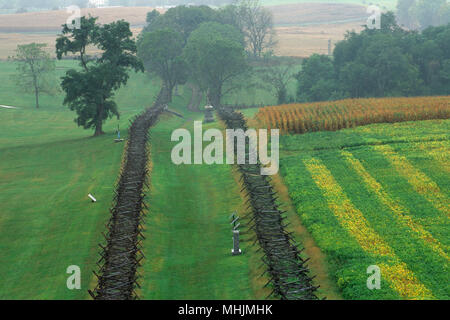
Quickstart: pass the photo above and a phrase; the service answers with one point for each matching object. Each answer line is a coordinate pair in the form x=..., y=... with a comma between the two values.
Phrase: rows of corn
x=336, y=115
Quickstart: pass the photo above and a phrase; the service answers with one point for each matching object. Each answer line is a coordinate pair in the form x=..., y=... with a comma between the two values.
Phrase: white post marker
x=92, y=197
x=7, y=107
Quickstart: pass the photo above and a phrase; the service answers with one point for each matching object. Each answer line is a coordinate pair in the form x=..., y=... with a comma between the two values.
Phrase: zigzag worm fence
x=287, y=270
x=122, y=254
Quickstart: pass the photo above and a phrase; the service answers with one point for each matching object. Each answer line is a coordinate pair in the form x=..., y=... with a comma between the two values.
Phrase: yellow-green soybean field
x=376, y=195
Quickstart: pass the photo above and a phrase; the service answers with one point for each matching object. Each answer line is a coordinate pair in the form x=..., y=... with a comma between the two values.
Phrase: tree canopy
x=161, y=53
x=34, y=69
x=377, y=63
x=182, y=19
x=316, y=80
x=90, y=90
x=216, y=55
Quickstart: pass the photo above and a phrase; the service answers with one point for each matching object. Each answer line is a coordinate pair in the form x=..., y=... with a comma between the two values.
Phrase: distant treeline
x=54, y=4
x=390, y=61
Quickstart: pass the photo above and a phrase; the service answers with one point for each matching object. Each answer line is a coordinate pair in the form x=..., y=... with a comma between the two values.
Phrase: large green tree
x=90, y=90
x=35, y=69
x=378, y=63
x=216, y=56
x=382, y=69
x=182, y=19
x=316, y=80
x=161, y=53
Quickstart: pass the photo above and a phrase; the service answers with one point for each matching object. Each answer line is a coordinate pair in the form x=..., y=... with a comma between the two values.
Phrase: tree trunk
x=168, y=91
x=98, y=129
x=36, y=90
x=215, y=100
x=99, y=121
x=169, y=94
x=214, y=95
x=36, y=95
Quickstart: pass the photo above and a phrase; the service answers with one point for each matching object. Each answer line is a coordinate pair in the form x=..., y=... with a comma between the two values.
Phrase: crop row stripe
x=421, y=183
x=439, y=152
x=400, y=213
x=401, y=278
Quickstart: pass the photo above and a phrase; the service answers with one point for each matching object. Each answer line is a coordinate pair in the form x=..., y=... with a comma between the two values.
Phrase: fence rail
x=287, y=270
x=122, y=255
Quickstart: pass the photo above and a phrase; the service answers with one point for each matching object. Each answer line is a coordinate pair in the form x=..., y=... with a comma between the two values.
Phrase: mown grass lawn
x=376, y=195
x=189, y=239
x=47, y=168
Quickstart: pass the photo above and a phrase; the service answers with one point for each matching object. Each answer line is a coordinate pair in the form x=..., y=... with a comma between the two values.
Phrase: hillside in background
x=302, y=29
x=51, y=21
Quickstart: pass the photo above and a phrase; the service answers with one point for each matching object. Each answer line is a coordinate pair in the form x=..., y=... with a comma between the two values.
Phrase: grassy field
x=376, y=195
x=189, y=239
x=47, y=167
x=53, y=224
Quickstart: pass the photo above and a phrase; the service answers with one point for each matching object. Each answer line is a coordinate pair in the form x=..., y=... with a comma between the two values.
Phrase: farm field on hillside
x=43, y=27
x=316, y=13
x=376, y=195
x=47, y=168
x=52, y=20
x=388, y=4
x=335, y=115
x=302, y=28
x=303, y=41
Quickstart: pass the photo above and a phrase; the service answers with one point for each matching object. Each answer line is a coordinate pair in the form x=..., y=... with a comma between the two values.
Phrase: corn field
x=350, y=113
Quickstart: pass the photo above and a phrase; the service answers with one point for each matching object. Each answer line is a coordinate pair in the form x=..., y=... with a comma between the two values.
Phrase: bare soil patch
x=304, y=41
x=48, y=21
x=317, y=13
